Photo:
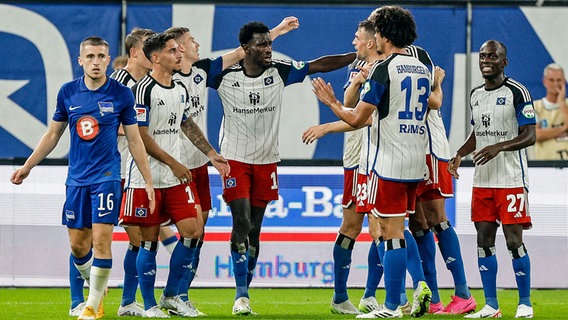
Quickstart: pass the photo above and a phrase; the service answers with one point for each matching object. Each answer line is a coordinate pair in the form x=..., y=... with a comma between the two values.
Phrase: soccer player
x=352, y=221
x=552, y=117
x=137, y=67
x=503, y=126
x=251, y=94
x=162, y=109
x=93, y=106
x=194, y=74
x=397, y=146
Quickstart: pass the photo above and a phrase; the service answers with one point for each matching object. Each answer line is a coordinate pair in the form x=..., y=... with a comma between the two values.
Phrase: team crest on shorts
x=69, y=215
x=230, y=183
x=141, y=212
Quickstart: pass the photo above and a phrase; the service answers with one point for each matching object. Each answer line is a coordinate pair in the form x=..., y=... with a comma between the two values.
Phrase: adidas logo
x=450, y=260
x=236, y=84
x=518, y=215
x=150, y=273
x=483, y=268
x=346, y=267
x=242, y=259
x=520, y=274
x=161, y=103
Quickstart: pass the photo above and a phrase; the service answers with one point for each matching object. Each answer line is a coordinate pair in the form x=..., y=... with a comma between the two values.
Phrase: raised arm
x=46, y=144
x=288, y=24
x=196, y=136
x=330, y=63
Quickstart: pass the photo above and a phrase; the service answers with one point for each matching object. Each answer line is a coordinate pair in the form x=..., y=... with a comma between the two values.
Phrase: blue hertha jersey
x=94, y=117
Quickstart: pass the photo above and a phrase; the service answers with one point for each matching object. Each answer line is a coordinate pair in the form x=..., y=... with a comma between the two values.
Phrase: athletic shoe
x=88, y=314
x=435, y=307
x=368, y=304
x=155, y=312
x=459, y=306
x=406, y=308
x=176, y=305
x=75, y=312
x=345, y=307
x=194, y=311
x=486, y=312
x=421, y=300
x=383, y=312
x=242, y=307
x=131, y=310
x=524, y=311
x=101, y=309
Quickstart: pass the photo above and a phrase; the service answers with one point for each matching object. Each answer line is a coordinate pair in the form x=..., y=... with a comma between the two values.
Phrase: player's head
x=119, y=62
x=133, y=44
x=257, y=43
x=162, y=49
x=553, y=78
x=364, y=40
x=395, y=25
x=188, y=46
x=492, y=59
x=94, y=57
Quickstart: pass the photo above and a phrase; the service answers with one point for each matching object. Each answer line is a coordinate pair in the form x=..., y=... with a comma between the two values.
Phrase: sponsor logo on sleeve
x=528, y=111
x=141, y=114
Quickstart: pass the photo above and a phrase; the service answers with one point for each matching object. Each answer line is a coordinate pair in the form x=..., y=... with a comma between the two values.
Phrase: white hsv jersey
x=126, y=79
x=252, y=107
x=497, y=115
x=353, y=139
x=162, y=110
x=399, y=87
x=196, y=84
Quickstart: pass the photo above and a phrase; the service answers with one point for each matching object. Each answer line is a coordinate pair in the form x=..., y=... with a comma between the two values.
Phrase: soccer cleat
x=88, y=314
x=345, y=307
x=101, y=309
x=459, y=306
x=368, y=304
x=176, y=306
x=75, y=312
x=383, y=312
x=435, y=307
x=242, y=307
x=421, y=300
x=131, y=310
x=486, y=312
x=406, y=308
x=524, y=311
x=194, y=311
x=155, y=312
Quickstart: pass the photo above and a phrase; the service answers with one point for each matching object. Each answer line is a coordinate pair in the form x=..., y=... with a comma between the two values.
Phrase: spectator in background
x=119, y=62
x=552, y=117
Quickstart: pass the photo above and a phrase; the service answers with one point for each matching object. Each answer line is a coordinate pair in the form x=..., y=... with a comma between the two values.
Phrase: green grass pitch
x=53, y=303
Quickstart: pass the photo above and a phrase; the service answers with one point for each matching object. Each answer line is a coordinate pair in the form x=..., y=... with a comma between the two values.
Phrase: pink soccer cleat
x=459, y=306
x=435, y=307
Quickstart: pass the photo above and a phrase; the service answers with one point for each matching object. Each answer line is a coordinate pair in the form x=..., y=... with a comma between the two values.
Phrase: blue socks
x=181, y=259
x=146, y=266
x=342, y=251
x=487, y=263
x=375, y=271
x=76, y=284
x=394, y=264
x=239, y=255
x=414, y=263
x=187, y=279
x=522, y=268
x=130, y=275
x=450, y=249
x=427, y=248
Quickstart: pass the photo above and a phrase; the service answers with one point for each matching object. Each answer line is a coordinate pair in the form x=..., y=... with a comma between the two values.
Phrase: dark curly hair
x=245, y=35
x=395, y=24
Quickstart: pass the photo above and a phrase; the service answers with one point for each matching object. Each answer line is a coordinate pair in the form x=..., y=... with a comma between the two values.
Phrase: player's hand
x=324, y=92
x=313, y=133
x=439, y=75
x=220, y=163
x=181, y=172
x=453, y=166
x=483, y=156
x=364, y=72
x=288, y=24
x=151, y=197
x=561, y=98
x=19, y=175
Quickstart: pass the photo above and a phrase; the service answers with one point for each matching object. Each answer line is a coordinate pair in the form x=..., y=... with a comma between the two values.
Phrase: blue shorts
x=97, y=203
